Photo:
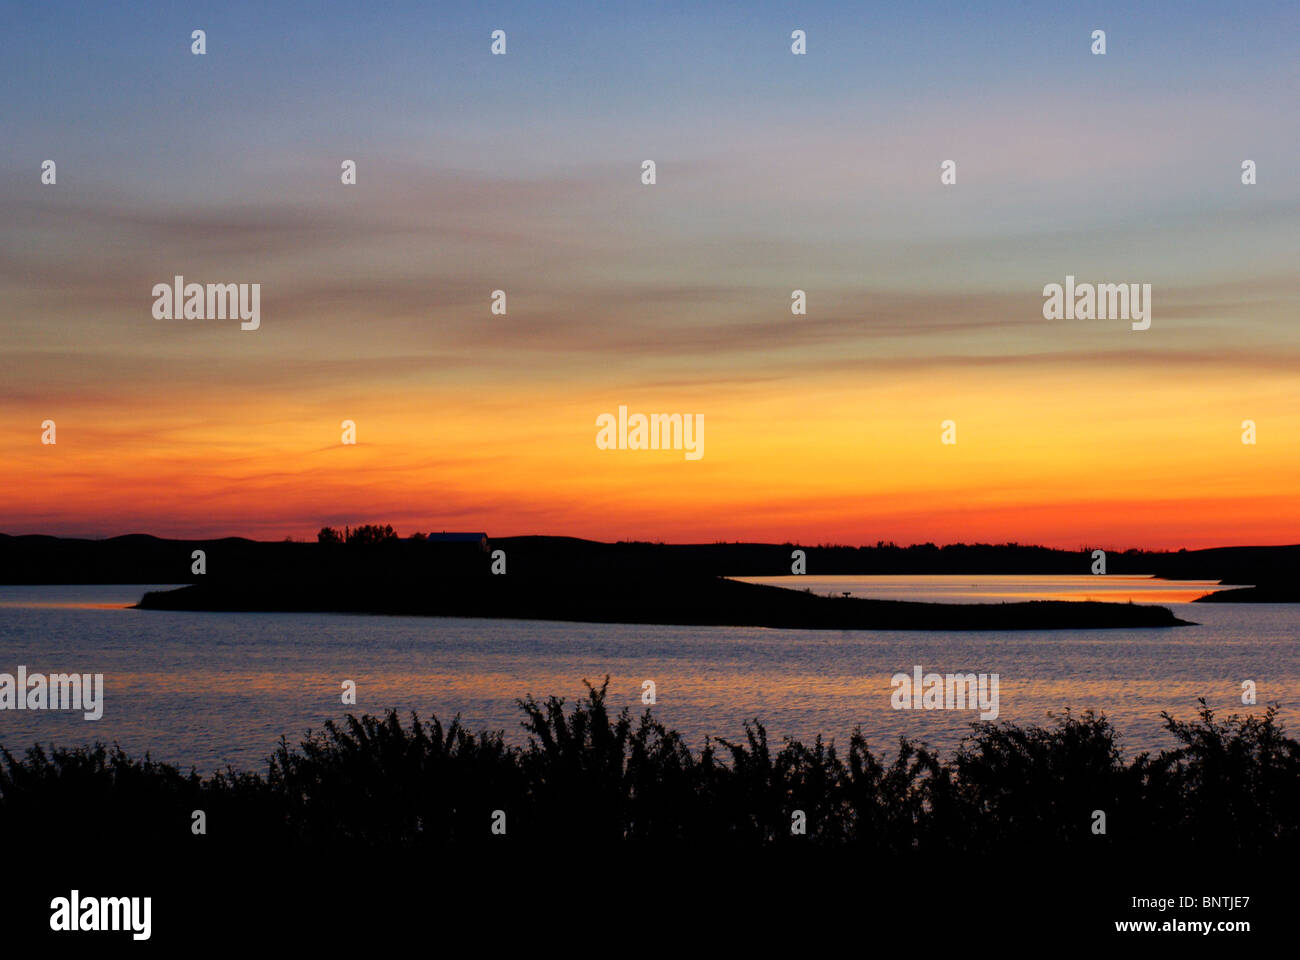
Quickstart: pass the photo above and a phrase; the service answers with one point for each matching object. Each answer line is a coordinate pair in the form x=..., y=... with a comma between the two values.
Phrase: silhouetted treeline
x=586, y=775
x=145, y=559
x=363, y=535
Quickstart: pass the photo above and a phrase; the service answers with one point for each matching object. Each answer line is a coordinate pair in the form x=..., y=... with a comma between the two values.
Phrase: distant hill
x=139, y=558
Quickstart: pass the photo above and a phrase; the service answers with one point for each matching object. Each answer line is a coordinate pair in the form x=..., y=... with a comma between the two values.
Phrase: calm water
x=210, y=689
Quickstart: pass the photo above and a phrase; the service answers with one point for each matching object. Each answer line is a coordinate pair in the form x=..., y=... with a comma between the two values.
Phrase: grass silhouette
x=588, y=775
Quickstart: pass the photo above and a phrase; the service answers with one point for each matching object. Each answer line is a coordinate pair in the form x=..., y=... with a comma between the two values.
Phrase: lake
x=211, y=689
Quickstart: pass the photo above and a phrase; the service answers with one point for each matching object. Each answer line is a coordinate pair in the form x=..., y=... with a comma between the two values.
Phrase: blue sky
x=774, y=172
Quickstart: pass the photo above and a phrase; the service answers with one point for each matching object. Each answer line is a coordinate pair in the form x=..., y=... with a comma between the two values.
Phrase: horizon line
x=880, y=544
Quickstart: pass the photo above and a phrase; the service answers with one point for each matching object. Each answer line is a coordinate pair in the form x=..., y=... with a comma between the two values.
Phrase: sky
x=774, y=172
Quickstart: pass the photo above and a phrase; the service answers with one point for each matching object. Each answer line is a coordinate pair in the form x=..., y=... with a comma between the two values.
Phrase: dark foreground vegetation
x=586, y=776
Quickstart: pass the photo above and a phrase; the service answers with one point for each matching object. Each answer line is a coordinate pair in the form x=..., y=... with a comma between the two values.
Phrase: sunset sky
x=775, y=172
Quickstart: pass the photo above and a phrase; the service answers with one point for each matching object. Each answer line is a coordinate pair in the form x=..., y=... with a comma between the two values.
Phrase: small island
x=369, y=569
x=666, y=599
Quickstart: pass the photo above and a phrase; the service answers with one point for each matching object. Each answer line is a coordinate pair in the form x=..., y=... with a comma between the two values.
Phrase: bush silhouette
x=587, y=775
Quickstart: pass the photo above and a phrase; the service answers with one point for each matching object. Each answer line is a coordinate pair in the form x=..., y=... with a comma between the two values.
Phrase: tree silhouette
x=369, y=533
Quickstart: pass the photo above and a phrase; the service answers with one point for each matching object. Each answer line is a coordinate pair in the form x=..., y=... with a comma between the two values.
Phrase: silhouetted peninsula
x=668, y=599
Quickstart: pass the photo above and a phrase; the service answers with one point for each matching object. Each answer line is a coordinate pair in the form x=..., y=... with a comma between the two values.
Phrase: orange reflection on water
x=998, y=588
x=1147, y=595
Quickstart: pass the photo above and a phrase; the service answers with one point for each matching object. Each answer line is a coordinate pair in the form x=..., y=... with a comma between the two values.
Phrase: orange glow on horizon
x=1040, y=458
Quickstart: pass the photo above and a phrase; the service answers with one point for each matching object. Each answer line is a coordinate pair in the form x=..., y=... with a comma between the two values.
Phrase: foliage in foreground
x=586, y=775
